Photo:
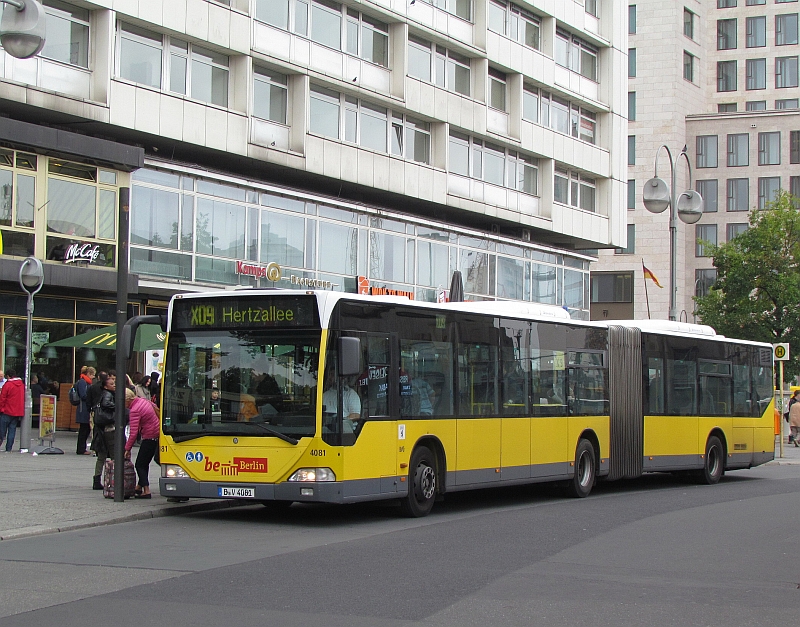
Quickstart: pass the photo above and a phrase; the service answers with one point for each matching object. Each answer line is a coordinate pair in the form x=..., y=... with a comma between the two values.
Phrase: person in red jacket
x=144, y=420
x=12, y=408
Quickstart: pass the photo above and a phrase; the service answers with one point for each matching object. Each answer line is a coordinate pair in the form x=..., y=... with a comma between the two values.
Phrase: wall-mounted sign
x=85, y=252
x=272, y=272
x=365, y=288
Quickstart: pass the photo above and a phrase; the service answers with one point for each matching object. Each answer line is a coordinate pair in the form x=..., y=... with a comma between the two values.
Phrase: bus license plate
x=237, y=493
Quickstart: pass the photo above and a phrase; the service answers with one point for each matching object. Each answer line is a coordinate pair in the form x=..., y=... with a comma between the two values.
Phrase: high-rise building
x=309, y=143
x=720, y=78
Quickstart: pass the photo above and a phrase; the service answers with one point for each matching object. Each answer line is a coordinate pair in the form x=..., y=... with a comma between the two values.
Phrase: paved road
x=655, y=551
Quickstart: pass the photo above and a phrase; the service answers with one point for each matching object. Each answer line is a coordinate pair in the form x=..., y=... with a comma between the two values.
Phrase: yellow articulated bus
x=281, y=396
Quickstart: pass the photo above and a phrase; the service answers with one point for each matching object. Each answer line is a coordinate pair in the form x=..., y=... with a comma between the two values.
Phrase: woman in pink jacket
x=144, y=420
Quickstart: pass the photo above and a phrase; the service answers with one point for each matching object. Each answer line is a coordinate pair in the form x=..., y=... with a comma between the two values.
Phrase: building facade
x=351, y=145
x=729, y=94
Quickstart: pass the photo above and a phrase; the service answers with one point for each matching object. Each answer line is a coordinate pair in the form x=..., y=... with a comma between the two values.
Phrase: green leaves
x=757, y=292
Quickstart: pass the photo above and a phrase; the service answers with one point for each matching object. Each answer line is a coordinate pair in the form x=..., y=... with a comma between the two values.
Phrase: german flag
x=648, y=274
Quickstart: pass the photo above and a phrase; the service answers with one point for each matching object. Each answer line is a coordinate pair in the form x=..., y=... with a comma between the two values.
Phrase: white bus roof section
x=667, y=326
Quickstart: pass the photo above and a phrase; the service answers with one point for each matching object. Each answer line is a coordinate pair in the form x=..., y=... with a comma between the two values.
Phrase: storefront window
x=219, y=228
x=154, y=217
x=341, y=255
x=282, y=239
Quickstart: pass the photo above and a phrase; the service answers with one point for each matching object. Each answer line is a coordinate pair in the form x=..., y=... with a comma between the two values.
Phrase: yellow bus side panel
x=478, y=443
x=549, y=441
x=578, y=424
x=516, y=435
x=443, y=430
x=374, y=453
x=671, y=435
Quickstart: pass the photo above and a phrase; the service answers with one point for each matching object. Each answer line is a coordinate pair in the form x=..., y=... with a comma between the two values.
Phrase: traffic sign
x=781, y=351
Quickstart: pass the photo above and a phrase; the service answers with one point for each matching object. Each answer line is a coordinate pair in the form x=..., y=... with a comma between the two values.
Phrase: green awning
x=149, y=337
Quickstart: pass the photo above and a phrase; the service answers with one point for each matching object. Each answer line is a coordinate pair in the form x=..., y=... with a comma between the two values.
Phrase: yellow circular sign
x=273, y=272
x=780, y=352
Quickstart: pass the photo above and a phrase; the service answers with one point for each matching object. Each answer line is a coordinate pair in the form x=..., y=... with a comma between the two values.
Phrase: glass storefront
x=189, y=227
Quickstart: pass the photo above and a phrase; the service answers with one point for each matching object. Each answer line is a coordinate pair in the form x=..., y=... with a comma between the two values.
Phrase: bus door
x=372, y=459
x=478, y=431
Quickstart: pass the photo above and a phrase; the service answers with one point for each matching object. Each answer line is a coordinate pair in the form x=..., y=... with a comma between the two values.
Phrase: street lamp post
x=688, y=207
x=31, y=278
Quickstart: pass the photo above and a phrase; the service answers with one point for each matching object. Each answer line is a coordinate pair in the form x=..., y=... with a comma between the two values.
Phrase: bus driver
x=351, y=403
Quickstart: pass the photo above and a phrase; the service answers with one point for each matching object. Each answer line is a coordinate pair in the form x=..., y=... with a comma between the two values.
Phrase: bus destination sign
x=243, y=313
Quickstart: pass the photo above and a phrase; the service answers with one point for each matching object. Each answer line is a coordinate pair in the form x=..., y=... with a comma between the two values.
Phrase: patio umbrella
x=148, y=337
x=456, y=288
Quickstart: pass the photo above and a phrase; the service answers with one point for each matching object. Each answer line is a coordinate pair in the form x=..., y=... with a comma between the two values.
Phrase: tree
x=757, y=292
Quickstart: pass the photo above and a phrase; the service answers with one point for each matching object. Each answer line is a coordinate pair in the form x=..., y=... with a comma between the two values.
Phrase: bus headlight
x=313, y=474
x=171, y=471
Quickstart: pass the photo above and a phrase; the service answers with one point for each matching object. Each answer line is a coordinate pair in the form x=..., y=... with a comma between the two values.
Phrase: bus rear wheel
x=714, y=462
x=422, y=484
x=583, y=480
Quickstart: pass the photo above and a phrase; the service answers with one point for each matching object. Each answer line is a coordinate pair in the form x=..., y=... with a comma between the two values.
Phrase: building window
x=270, y=95
x=727, y=107
x=704, y=281
x=631, y=19
x=726, y=75
x=726, y=4
x=794, y=189
x=575, y=189
x=688, y=67
x=726, y=34
x=769, y=148
x=756, y=74
x=631, y=62
x=732, y=229
x=515, y=23
x=787, y=103
x=738, y=150
x=786, y=29
x=753, y=3
x=706, y=151
x=459, y=8
x=631, y=149
x=561, y=115
x=411, y=138
x=688, y=23
x=708, y=190
x=632, y=106
x=738, y=195
x=631, y=194
x=593, y=7
x=200, y=73
x=794, y=147
x=705, y=237
x=493, y=164
x=67, y=33
x=630, y=248
x=576, y=54
x=323, y=21
x=325, y=112
x=497, y=89
x=76, y=206
x=786, y=72
x=768, y=187
x=435, y=64
x=612, y=288
x=756, y=28
x=17, y=202
x=755, y=105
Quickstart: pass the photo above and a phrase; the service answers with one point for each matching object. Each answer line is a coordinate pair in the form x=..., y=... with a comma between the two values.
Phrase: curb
x=176, y=510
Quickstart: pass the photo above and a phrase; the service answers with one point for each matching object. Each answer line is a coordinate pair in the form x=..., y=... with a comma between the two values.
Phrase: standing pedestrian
x=143, y=387
x=2, y=379
x=83, y=414
x=103, y=440
x=155, y=388
x=794, y=417
x=144, y=420
x=12, y=408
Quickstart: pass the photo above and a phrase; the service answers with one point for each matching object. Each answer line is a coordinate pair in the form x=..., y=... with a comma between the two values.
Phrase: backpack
x=74, y=395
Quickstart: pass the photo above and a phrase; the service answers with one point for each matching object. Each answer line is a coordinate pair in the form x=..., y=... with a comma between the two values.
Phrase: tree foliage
x=756, y=295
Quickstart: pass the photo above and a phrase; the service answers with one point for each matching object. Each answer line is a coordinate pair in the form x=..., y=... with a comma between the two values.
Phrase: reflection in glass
x=282, y=239
x=154, y=217
x=219, y=228
x=341, y=255
x=71, y=208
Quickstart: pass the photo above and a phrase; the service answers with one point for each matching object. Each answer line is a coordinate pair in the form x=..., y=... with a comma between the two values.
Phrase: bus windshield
x=241, y=382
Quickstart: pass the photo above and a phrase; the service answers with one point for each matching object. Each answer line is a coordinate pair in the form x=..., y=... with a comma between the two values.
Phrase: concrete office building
x=721, y=78
x=352, y=145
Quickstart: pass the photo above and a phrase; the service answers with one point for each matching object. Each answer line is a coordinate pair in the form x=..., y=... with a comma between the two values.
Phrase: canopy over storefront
x=149, y=337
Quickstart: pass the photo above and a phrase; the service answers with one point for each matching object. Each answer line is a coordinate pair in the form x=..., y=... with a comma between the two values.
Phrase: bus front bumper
x=311, y=492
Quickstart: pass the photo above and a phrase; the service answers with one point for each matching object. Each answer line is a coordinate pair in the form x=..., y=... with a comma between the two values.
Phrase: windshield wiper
x=277, y=434
x=193, y=436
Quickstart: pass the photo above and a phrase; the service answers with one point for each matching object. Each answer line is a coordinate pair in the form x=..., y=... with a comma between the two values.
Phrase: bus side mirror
x=349, y=356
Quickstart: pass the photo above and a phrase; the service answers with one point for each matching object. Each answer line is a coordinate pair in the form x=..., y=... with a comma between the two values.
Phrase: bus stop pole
x=780, y=436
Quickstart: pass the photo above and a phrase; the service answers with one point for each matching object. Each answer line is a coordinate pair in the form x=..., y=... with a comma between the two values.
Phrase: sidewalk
x=50, y=493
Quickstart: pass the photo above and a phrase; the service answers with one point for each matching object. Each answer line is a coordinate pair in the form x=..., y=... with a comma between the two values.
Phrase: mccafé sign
x=272, y=272
x=85, y=252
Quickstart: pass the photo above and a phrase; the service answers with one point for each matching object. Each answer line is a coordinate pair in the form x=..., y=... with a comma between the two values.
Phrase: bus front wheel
x=583, y=480
x=421, y=484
